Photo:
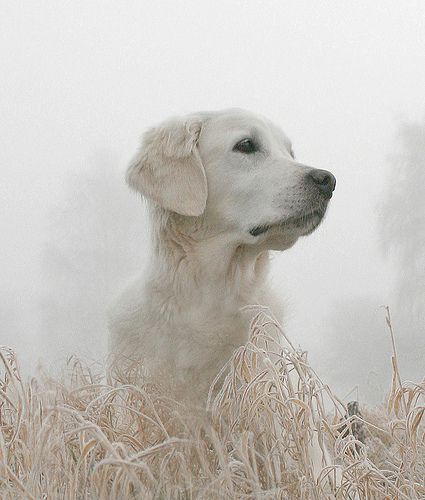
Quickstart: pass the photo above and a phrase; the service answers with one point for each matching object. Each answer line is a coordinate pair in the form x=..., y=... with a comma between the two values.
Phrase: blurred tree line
x=96, y=242
x=358, y=345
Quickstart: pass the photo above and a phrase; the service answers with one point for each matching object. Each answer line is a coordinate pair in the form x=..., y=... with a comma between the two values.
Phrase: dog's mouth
x=305, y=224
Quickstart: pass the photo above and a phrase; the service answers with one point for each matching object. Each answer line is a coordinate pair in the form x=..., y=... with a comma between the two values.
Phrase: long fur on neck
x=183, y=251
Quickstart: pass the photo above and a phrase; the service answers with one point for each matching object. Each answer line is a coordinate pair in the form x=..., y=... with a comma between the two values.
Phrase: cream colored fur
x=183, y=318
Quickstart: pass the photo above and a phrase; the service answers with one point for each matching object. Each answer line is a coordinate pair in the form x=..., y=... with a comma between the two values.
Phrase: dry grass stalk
x=88, y=436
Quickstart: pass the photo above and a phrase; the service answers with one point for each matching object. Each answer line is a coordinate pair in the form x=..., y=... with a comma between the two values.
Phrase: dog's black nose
x=324, y=180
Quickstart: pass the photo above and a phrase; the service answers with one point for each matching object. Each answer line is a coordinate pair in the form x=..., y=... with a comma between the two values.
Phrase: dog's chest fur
x=184, y=325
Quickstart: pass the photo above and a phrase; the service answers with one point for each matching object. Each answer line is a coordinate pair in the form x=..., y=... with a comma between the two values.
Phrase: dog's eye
x=246, y=146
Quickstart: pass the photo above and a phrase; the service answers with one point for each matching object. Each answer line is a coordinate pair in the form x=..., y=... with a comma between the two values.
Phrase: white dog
x=223, y=190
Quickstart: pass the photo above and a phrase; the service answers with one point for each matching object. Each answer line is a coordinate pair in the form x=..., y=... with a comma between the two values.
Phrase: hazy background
x=80, y=81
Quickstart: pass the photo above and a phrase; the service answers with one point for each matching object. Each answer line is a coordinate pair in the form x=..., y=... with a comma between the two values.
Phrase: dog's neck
x=200, y=270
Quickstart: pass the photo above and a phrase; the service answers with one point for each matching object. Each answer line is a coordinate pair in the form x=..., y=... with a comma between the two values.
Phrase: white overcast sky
x=338, y=76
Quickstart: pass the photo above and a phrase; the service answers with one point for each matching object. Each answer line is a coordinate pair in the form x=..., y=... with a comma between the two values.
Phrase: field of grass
x=86, y=435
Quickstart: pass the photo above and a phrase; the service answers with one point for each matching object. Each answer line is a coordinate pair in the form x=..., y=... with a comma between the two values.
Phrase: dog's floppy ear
x=168, y=168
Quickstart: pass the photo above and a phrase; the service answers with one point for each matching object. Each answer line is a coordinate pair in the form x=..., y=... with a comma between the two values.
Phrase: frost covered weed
x=87, y=435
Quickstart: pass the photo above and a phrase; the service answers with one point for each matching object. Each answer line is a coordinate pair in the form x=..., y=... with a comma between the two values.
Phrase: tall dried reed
x=86, y=435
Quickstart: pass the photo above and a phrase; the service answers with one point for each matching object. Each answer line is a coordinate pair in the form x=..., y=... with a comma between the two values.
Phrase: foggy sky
x=82, y=77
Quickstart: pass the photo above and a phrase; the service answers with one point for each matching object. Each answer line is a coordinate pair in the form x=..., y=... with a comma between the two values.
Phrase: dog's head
x=234, y=171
